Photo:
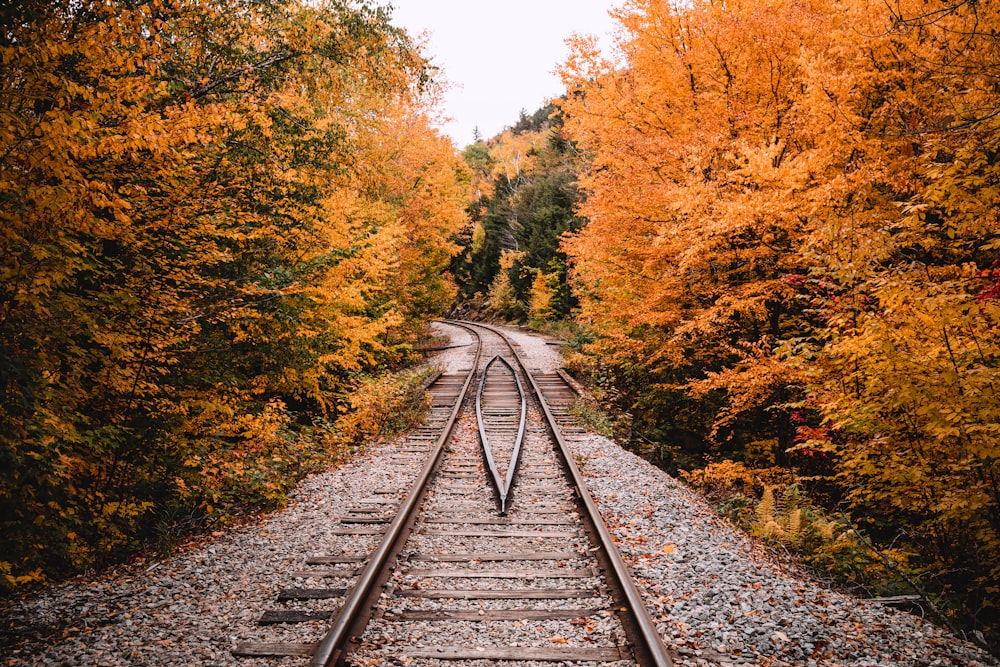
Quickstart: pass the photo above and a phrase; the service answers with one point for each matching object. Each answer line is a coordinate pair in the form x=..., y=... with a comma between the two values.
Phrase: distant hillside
x=525, y=178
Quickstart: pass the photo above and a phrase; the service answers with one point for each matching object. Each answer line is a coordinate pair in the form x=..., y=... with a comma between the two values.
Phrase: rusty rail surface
x=502, y=483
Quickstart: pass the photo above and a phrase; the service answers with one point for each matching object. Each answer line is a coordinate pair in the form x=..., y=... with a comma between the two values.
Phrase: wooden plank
x=549, y=573
x=380, y=510
x=311, y=593
x=320, y=573
x=536, y=504
x=258, y=650
x=502, y=533
x=502, y=522
x=532, y=510
x=488, y=557
x=335, y=560
x=492, y=615
x=282, y=616
x=432, y=379
x=569, y=383
x=513, y=594
x=898, y=599
x=356, y=531
x=526, y=653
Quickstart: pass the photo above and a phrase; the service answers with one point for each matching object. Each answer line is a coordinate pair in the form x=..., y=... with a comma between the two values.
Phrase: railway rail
x=496, y=552
x=501, y=413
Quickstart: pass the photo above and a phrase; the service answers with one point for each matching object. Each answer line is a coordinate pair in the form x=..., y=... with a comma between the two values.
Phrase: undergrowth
x=378, y=409
x=252, y=475
x=771, y=504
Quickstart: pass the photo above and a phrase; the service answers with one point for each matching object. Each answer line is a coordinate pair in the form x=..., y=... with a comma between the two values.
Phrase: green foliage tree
x=526, y=201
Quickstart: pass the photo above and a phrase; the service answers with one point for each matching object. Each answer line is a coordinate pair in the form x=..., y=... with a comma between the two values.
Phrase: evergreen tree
x=525, y=202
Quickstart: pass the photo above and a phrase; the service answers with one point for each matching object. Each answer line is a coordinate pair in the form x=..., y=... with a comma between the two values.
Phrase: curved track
x=649, y=647
x=451, y=582
x=501, y=412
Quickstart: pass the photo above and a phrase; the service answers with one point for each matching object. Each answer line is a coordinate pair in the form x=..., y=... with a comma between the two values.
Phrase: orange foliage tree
x=792, y=251
x=217, y=215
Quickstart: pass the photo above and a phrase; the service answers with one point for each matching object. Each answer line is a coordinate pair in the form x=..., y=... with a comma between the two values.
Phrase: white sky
x=499, y=55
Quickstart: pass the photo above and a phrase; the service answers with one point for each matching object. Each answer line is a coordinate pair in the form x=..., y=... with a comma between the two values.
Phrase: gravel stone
x=194, y=607
x=719, y=597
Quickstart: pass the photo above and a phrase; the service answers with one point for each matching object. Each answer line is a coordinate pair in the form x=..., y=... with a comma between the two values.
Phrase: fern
x=767, y=506
x=793, y=523
x=780, y=516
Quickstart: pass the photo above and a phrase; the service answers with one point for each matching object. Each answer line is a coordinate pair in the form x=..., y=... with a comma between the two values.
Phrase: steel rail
x=653, y=643
x=503, y=486
x=328, y=651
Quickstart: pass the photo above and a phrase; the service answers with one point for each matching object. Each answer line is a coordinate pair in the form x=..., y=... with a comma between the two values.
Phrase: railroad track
x=494, y=554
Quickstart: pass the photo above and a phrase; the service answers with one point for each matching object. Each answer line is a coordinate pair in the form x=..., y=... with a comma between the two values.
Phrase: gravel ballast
x=193, y=608
x=720, y=599
x=716, y=595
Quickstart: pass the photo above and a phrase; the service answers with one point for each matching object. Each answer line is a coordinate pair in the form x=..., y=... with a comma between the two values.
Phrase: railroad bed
x=717, y=597
x=493, y=556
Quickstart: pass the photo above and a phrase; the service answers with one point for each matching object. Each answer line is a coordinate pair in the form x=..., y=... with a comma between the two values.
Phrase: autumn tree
x=791, y=252
x=526, y=192
x=693, y=141
x=198, y=264
x=907, y=376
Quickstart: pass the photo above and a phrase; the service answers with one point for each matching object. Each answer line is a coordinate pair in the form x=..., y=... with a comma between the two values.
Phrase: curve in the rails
x=529, y=586
x=536, y=584
x=649, y=641
x=501, y=412
x=474, y=588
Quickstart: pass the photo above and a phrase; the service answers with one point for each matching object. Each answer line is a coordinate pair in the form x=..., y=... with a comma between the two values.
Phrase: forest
x=222, y=223
x=780, y=254
x=510, y=262
x=767, y=229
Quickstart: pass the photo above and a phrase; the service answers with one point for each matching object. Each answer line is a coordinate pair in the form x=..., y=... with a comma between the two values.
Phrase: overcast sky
x=499, y=55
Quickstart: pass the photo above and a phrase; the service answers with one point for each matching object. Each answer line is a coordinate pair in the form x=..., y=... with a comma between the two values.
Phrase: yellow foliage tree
x=540, y=308
x=216, y=217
